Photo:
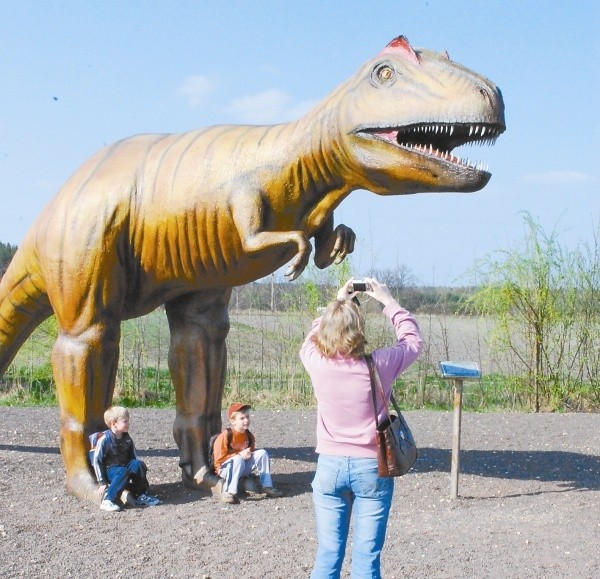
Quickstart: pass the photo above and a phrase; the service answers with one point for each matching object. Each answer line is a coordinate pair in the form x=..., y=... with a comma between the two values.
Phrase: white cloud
x=559, y=178
x=270, y=106
x=195, y=88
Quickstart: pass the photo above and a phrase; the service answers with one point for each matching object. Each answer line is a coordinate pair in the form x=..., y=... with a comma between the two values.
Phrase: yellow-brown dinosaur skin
x=181, y=219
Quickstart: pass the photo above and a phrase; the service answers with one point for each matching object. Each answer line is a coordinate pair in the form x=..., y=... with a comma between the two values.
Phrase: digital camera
x=360, y=285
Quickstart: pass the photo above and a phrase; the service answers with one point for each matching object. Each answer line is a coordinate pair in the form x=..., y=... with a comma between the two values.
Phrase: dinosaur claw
x=294, y=270
x=292, y=275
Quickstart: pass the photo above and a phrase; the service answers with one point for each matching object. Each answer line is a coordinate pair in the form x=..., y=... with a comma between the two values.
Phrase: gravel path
x=529, y=504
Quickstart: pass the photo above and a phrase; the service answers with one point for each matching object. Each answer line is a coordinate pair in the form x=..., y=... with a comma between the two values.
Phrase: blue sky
x=79, y=75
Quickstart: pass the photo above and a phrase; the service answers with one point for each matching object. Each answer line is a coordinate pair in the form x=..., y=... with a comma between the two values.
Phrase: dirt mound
x=529, y=504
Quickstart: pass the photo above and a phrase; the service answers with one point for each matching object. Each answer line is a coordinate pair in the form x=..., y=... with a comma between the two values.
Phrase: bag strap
x=249, y=436
x=372, y=372
x=376, y=380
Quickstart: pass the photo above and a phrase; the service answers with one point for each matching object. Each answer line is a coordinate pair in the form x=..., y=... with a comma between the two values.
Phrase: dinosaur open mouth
x=439, y=139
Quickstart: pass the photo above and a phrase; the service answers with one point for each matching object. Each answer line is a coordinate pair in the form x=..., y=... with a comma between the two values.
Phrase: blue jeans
x=131, y=477
x=343, y=484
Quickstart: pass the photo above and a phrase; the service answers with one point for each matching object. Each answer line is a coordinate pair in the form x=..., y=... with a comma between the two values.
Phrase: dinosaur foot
x=207, y=480
x=203, y=479
x=82, y=485
x=247, y=485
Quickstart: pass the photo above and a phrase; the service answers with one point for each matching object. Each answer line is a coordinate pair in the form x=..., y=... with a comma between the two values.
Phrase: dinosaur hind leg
x=199, y=324
x=85, y=366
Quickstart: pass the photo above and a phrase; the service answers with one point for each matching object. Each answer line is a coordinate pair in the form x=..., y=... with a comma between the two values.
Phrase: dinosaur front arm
x=250, y=215
x=332, y=245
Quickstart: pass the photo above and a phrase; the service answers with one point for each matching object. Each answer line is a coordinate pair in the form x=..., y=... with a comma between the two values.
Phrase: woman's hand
x=345, y=292
x=380, y=292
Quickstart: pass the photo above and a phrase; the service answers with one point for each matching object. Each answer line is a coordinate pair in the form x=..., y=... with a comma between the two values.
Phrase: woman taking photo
x=346, y=479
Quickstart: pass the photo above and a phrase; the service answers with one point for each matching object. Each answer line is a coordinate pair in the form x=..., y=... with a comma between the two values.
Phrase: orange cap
x=236, y=407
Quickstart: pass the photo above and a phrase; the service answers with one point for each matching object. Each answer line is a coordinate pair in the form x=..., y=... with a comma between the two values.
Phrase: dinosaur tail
x=24, y=305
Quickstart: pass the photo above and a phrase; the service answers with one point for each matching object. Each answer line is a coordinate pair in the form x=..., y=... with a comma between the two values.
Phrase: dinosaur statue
x=180, y=219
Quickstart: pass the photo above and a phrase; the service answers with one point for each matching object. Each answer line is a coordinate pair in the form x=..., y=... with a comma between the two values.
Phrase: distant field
x=264, y=367
x=446, y=337
x=260, y=340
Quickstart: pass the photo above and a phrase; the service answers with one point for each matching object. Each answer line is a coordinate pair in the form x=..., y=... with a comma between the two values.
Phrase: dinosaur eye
x=382, y=74
x=385, y=73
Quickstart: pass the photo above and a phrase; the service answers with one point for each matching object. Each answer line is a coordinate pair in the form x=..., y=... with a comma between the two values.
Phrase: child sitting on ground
x=236, y=456
x=117, y=465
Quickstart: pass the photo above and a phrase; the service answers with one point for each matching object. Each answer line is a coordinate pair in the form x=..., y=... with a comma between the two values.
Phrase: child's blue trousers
x=131, y=477
x=236, y=467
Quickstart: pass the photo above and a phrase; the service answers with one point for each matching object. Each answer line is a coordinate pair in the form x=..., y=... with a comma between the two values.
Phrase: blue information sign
x=460, y=370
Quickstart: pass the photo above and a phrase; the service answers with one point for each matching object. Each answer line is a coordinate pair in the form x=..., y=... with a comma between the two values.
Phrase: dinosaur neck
x=319, y=171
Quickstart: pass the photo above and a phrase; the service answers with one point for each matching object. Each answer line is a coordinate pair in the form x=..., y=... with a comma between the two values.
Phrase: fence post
x=455, y=467
x=457, y=372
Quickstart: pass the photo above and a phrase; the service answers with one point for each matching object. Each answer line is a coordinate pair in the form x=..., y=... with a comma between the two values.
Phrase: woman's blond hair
x=341, y=331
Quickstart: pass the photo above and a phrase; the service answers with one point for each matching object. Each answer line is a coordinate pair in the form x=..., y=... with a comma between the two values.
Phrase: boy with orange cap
x=236, y=456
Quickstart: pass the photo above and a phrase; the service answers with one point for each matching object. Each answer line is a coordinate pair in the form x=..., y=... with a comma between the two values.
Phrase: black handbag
x=396, y=448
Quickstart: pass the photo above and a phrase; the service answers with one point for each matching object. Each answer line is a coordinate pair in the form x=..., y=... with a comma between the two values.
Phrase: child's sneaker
x=272, y=492
x=229, y=498
x=145, y=500
x=109, y=506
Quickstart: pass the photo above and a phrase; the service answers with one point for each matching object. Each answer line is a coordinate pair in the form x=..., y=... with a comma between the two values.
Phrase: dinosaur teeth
x=476, y=131
x=437, y=140
x=447, y=156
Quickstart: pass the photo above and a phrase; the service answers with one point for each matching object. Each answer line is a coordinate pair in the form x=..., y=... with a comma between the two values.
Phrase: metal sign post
x=457, y=372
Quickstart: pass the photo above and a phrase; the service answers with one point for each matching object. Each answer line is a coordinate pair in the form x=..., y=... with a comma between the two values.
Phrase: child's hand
x=101, y=489
x=246, y=453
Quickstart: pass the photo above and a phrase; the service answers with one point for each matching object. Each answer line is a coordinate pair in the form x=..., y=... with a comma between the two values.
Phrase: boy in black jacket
x=116, y=464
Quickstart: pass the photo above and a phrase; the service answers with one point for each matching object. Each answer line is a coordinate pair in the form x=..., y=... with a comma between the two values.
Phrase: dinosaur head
x=407, y=110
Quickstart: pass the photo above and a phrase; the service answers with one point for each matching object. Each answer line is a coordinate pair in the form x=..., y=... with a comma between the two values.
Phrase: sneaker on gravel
x=272, y=492
x=109, y=506
x=229, y=498
x=145, y=500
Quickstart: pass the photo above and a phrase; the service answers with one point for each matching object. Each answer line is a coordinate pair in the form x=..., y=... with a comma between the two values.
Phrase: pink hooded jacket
x=345, y=419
